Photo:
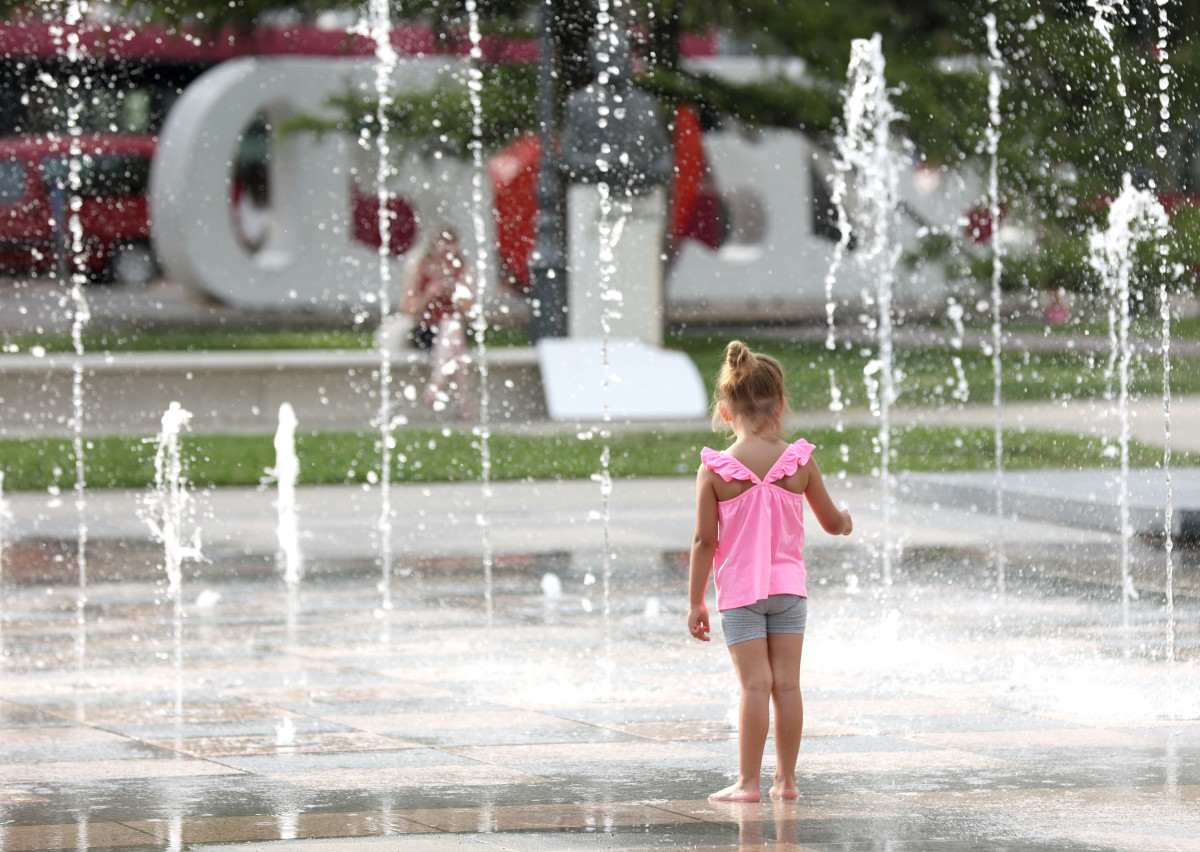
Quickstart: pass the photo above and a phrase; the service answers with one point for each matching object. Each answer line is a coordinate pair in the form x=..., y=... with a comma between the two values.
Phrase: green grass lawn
x=934, y=376
x=1093, y=323
x=453, y=456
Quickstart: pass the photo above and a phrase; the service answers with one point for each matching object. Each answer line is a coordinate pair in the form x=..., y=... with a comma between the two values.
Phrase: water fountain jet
x=839, y=188
x=287, y=474
x=479, y=320
x=992, y=135
x=841, y=170
x=609, y=234
x=168, y=513
x=5, y=518
x=865, y=147
x=379, y=27
x=1135, y=217
x=1164, y=297
x=66, y=203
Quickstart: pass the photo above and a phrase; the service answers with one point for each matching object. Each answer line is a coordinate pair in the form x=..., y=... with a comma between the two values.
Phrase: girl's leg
x=439, y=357
x=448, y=346
x=783, y=651
x=461, y=376
x=754, y=674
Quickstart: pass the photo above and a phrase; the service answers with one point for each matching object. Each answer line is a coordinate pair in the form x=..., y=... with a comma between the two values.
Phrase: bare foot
x=785, y=790
x=737, y=793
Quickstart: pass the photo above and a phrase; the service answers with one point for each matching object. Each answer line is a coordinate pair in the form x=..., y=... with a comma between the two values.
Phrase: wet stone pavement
x=941, y=714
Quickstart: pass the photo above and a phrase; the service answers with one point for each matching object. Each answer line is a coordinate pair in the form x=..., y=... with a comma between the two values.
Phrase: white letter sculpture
x=309, y=255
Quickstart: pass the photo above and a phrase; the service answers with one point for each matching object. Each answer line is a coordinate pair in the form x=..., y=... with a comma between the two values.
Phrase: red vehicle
x=36, y=185
x=114, y=208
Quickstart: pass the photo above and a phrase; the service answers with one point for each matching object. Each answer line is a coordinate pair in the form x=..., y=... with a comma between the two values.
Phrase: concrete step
x=1082, y=498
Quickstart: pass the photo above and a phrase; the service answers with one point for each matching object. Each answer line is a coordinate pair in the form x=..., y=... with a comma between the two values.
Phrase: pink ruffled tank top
x=760, y=533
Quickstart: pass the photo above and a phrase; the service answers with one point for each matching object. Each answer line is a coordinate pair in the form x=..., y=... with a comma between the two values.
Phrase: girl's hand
x=698, y=622
x=847, y=523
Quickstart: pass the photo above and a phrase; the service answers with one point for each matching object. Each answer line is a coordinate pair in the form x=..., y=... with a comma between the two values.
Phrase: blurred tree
x=1077, y=112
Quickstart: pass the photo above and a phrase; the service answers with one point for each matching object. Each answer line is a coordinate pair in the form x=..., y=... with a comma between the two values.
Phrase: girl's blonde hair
x=750, y=387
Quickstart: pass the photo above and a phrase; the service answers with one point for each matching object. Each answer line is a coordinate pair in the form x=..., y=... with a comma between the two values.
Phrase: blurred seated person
x=438, y=295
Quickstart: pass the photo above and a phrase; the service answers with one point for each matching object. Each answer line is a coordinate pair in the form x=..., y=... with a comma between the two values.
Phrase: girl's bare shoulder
x=707, y=474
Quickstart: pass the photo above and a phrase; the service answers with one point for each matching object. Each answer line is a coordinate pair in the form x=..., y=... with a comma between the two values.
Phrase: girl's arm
x=833, y=520
x=704, y=546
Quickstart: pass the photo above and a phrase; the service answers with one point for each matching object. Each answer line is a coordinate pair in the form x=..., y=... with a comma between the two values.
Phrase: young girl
x=750, y=534
x=438, y=294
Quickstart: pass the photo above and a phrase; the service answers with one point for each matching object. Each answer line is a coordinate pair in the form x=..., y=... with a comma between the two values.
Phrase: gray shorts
x=776, y=614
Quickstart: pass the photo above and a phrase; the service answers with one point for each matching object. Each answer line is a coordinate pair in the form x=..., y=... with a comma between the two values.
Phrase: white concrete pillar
x=632, y=294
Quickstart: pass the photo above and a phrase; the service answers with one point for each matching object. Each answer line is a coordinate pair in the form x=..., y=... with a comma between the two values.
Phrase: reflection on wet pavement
x=939, y=715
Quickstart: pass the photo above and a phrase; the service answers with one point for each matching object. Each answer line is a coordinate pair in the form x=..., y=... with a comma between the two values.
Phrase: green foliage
x=770, y=103
x=440, y=120
x=1064, y=263
x=1184, y=249
x=1076, y=113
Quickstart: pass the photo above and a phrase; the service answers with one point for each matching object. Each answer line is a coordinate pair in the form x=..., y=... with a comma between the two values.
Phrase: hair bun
x=749, y=387
x=739, y=358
